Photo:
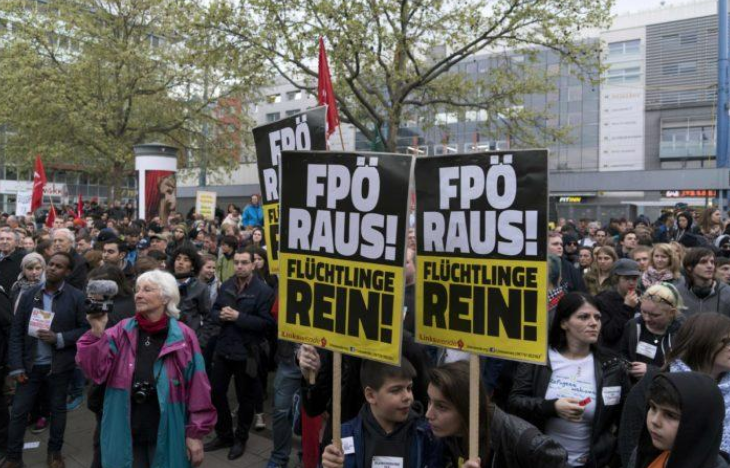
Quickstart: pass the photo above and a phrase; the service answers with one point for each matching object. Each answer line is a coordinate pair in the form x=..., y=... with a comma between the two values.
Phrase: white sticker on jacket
x=387, y=462
x=646, y=349
x=348, y=445
x=611, y=396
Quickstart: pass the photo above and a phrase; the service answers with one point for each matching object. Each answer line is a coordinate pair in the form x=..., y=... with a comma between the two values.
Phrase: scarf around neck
x=150, y=327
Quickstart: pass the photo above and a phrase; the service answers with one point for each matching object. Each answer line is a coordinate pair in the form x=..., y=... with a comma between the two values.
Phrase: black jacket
x=527, y=401
x=6, y=320
x=571, y=276
x=513, y=443
x=630, y=339
x=195, y=306
x=254, y=320
x=614, y=315
x=697, y=443
x=70, y=321
x=77, y=278
x=10, y=269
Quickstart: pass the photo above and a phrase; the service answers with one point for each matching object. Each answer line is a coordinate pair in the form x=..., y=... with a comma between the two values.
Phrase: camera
x=94, y=306
x=142, y=391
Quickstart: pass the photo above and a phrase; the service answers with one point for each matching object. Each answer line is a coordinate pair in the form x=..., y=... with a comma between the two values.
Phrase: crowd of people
x=150, y=322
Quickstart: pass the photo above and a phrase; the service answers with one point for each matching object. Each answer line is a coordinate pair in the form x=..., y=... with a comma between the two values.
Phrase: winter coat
x=195, y=306
x=183, y=392
x=6, y=321
x=423, y=449
x=527, y=401
x=571, y=276
x=632, y=332
x=224, y=268
x=513, y=443
x=238, y=339
x=718, y=300
x=69, y=320
x=253, y=215
x=697, y=443
x=614, y=316
x=10, y=269
x=633, y=418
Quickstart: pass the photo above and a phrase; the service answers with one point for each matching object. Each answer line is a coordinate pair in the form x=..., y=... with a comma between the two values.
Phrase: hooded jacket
x=632, y=332
x=678, y=233
x=697, y=443
x=717, y=301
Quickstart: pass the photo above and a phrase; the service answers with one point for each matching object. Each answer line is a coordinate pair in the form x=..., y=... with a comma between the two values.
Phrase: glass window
x=670, y=41
x=688, y=38
x=293, y=95
x=623, y=75
x=273, y=98
x=618, y=49
x=273, y=117
x=685, y=68
x=289, y=113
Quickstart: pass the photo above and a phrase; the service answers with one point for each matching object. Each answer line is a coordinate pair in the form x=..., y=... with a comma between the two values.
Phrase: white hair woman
x=157, y=406
x=32, y=268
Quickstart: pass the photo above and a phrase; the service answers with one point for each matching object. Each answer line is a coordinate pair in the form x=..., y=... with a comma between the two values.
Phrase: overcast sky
x=626, y=6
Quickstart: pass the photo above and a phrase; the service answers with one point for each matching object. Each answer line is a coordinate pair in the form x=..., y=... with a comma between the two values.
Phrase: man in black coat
x=243, y=311
x=6, y=319
x=46, y=356
x=10, y=257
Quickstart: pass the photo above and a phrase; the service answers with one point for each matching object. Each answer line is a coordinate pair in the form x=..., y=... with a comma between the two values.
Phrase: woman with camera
x=577, y=398
x=157, y=406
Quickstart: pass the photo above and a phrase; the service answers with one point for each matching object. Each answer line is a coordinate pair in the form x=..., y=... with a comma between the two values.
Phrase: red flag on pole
x=325, y=93
x=39, y=181
x=80, y=207
x=51, y=217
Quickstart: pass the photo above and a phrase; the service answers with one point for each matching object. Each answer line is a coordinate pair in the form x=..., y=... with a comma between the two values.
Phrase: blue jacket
x=425, y=450
x=252, y=216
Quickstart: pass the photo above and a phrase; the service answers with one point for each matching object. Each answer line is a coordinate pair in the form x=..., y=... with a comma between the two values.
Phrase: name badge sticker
x=387, y=462
x=646, y=349
x=348, y=445
x=611, y=396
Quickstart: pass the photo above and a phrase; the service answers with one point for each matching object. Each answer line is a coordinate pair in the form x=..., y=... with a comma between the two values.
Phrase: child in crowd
x=387, y=432
x=683, y=424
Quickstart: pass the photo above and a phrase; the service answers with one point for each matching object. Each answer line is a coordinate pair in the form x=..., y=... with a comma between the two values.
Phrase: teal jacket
x=183, y=392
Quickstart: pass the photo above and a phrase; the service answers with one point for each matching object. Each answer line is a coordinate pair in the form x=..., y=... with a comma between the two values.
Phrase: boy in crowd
x=387, y=432
x=684, y=423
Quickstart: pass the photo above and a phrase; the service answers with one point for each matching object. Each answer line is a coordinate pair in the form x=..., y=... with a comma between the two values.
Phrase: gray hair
x=65, y=233
x=15, y=234
x=168, y=289
x=30, y=260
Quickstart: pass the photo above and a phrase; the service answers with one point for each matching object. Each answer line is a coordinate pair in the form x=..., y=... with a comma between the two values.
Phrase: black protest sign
x=482, y=251
x=342, y=251
x=300, y=132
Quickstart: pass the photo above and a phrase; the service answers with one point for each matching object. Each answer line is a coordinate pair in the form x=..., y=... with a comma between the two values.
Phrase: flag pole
x=342, y=140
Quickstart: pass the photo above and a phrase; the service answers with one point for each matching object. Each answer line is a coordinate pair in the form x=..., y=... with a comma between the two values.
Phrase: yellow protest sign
x=205, y=203
x=342, y=251
x=482, y=255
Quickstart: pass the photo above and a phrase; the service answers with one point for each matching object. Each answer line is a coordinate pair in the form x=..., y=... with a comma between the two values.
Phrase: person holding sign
x=386, y=433
x=648, y=338
x=48, y=321
x=576, y=399
x=505, y=441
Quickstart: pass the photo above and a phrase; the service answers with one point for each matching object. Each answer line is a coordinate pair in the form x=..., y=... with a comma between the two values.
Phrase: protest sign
x=342, y=251
x=300, y=132
x=205, y=203
x=39, y=320
x=482, y=251
x=23, y=202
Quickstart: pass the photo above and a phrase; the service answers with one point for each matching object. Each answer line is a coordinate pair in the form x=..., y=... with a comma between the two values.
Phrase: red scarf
x=150, y=327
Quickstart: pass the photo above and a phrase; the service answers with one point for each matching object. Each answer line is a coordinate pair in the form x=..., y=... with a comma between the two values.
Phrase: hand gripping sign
x=300, y=132
x=482, y=237
x=342, y=251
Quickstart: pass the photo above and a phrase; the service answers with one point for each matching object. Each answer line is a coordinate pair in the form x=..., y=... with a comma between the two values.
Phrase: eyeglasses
x=657, y=299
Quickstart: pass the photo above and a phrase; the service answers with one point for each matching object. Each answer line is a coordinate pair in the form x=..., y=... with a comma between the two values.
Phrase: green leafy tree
x=85, y=81
x=395, y=61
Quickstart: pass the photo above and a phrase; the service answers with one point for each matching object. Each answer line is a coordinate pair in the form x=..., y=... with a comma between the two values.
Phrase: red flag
x=39, y=181
x=325, y=93
x=80, y=208
x=51, y=217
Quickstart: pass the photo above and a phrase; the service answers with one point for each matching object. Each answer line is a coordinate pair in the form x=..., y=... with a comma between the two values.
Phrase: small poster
x=39, y=320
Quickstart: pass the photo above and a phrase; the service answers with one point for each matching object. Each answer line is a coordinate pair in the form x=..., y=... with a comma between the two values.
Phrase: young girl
x=505, y=441
x=663, y=266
